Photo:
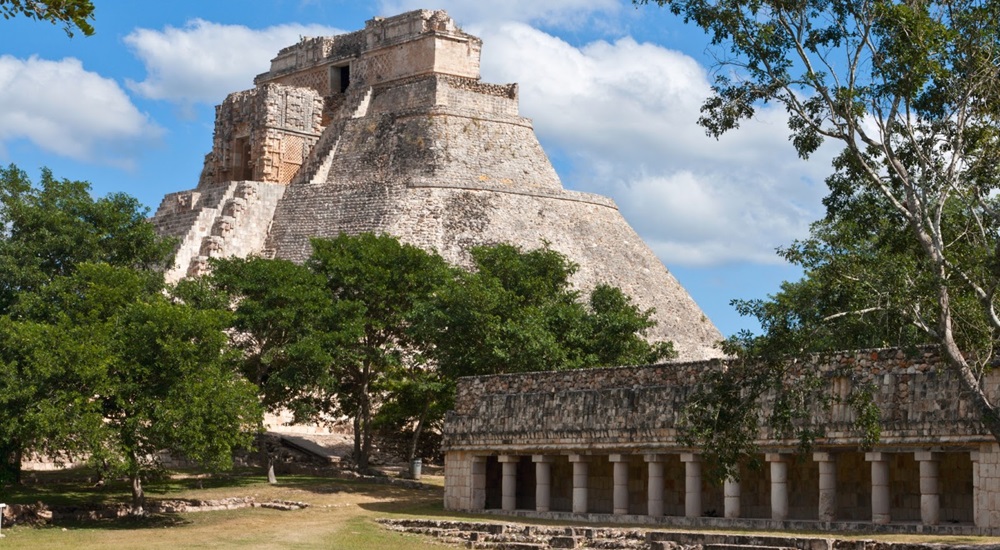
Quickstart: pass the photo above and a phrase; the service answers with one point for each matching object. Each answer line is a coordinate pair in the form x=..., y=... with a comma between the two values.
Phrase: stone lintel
x=926, y=456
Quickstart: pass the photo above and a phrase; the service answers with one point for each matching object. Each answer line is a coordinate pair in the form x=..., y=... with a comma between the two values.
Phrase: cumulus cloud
x=63, y=108
x=625, y=114
x=561, y=13
x=202, y=62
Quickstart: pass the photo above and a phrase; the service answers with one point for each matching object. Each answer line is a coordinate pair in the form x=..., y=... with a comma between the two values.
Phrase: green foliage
x=48, y=229
x=106, y=364
x=376, y=283
x=46, y=232
x=911, y=91
x=516, y=312
x=70, y=13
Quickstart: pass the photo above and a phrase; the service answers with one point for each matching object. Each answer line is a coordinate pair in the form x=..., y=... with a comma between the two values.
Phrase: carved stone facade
x=604, y=444
x=390, y=130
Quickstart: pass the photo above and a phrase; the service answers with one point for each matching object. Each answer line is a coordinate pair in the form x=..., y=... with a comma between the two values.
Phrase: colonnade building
x=605, y=445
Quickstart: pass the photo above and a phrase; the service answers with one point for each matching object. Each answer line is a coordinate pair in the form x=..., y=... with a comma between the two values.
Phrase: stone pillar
x=977, y=519
x=543, y=482
x=581, y=472
x=654, y=485
x=620, y=495
x=880, y=486
x=779, y=485
x=692, y=485
x=478, y=482
x=930, y=493
x=732, y=498
x=827, y=485
x=509, y=487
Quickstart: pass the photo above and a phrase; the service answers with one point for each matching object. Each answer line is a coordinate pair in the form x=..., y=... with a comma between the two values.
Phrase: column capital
x=654, y=457
x=508, y=458
x=927, y=456
x=690, y=457
x=479, y=459
x=618, y=457
x=579, y=458
x=876, y=456
x=776, y=457
x=547, y=459
x=820, y=456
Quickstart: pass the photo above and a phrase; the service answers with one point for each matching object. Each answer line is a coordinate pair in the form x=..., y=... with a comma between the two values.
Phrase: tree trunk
x=415, y=440
x=357, y=440
x=988, y=413
x=138, y=495
x=271, y=478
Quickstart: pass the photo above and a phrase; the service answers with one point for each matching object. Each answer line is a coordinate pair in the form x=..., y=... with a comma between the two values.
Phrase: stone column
x=880, y=486
x=478, y=482
x=732, y=498
x=930, y=493
x=543, y=482
x=827, y=485
x=692, y=485
x=779, y=485
x=581, y=472
x=509, y=487
x=654, y=484
x=620, y=495
x=976, y=490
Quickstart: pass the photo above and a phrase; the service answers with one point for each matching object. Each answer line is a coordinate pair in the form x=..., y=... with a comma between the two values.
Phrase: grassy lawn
x=341, y=515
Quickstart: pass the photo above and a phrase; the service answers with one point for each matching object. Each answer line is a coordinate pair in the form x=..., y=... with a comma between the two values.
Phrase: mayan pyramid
x=390, y=130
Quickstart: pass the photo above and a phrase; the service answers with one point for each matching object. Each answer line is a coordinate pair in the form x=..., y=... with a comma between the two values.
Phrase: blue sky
x=613, y=90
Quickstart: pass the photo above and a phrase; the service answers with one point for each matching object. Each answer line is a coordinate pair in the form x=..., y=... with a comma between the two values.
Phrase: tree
x=282, y=314
x=516, y=311
x=70, y=13
x=46, y=231
x=376, y=283
x=115, y=370
x=911, y=91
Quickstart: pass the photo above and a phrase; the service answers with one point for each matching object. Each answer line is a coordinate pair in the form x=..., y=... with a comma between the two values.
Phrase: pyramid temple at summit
x=390, y=130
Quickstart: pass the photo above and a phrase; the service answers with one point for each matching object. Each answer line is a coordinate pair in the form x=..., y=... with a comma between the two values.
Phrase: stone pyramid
x=390, y=130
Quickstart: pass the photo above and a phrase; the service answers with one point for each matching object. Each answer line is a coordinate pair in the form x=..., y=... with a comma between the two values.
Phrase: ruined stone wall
x=264, y=134
x=216, y=221
x=638, y=407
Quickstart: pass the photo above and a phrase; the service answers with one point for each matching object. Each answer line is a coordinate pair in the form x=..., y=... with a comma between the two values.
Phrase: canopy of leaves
x=70, y=13
x=48, y=229
x=907, y=253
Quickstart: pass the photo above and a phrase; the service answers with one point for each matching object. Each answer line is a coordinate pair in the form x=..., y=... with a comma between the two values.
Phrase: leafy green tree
x=46, y=231
x=516, y=311
x=116, y=370
x=911, y=91
x=282, y=317
x=377, y=283
x=70, y=13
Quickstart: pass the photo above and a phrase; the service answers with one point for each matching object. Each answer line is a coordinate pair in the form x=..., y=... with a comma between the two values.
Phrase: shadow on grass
x=152, y=521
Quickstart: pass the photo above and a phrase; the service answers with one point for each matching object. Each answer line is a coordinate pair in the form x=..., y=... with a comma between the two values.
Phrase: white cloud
x=626, y=115
x=64, y=109
x=561, y=13
x=205, y=61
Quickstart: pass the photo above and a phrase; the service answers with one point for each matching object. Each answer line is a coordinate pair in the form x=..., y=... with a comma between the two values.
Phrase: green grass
x=341, y=515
